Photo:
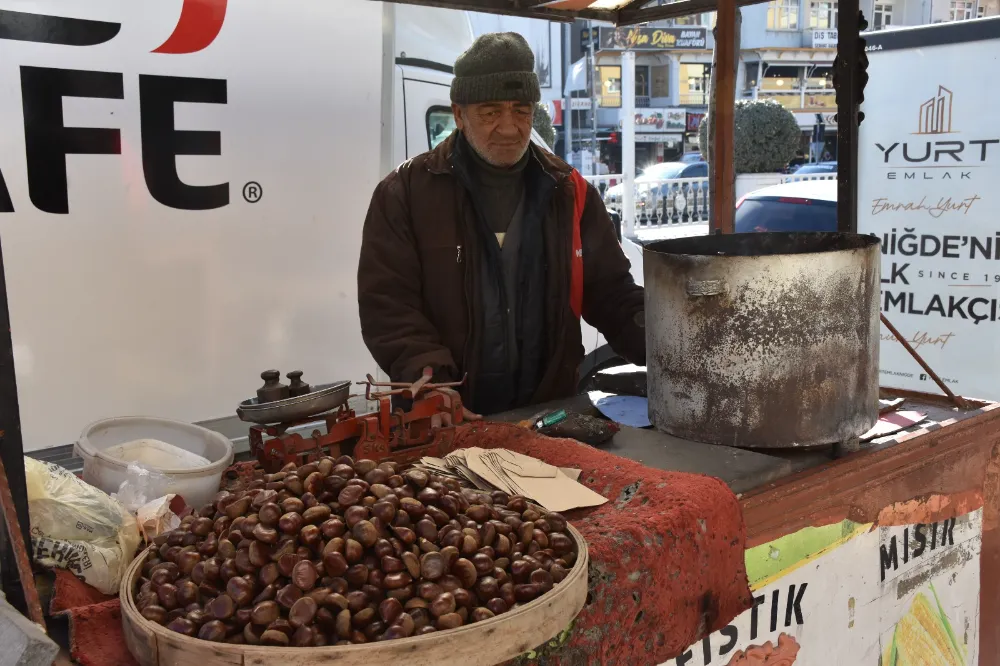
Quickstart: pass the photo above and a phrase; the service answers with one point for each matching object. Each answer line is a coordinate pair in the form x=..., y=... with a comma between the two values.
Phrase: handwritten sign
x=929, y=162
x=852, y=594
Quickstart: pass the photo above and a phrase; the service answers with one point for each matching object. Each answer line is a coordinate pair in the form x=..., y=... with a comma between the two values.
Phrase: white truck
x=182, y=192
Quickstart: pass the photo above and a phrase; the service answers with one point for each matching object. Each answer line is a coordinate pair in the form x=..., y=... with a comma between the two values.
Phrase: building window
x=783, y=15
x=819, y=77
x=642, y=85
x=814, y=101
x=660, y=81
x=750, y=80
x=610, y=94
x=962, y=10
x=691, y=19
x=823, y=14
x=782, y=78
x=882, y=16
x=980, y=11
x=694, y=84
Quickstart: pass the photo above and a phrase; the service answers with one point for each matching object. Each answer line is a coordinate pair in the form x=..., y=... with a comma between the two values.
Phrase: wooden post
x=721, y=130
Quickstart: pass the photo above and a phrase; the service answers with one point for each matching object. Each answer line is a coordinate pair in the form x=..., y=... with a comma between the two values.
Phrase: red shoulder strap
x=576, y=259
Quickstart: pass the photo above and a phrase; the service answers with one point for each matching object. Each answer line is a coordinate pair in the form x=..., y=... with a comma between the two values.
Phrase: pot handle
x=706, y=287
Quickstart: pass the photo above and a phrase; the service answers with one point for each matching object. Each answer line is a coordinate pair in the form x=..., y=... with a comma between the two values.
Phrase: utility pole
x=567, y=93
x=628, y=143
x=594, y=96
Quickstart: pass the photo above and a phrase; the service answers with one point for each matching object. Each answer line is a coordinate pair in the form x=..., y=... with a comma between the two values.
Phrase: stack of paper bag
x=554, y=488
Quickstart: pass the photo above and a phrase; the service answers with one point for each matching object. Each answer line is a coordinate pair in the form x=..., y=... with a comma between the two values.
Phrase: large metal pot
x=764, y=340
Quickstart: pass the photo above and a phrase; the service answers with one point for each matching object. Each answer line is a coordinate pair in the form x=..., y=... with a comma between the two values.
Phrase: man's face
x=498, y=131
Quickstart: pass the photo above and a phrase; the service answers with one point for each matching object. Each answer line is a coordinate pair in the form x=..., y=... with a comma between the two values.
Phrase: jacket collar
x=439, y=160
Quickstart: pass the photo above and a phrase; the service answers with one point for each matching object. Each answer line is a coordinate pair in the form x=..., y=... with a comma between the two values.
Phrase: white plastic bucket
x=196, y=484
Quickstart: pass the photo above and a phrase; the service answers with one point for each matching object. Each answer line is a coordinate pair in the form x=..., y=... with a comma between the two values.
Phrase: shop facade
x=672, y=75
x=801, y=80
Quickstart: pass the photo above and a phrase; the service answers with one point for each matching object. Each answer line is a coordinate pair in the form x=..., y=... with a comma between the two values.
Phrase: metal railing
x=658, y=203
x=661, y=204
x=794, y=178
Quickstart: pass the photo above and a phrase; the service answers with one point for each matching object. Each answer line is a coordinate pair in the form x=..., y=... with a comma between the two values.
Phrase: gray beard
x=485, y=156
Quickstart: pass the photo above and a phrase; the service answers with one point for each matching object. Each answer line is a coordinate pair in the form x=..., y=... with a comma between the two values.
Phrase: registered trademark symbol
x=252, y=192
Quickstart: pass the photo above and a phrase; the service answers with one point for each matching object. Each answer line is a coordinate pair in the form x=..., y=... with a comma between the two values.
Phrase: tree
x=767, y=136
x=543, y=124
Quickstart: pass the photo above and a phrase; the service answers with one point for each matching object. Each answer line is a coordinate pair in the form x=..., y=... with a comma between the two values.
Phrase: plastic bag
x=78, y=527
x=140, y=487
x=160, y=516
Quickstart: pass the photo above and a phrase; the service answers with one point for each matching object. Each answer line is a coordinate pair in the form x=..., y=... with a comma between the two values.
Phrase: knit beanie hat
x=498, y=67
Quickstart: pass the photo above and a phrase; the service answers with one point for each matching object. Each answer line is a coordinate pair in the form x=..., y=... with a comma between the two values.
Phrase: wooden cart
x=921, y=478
x=834, y=552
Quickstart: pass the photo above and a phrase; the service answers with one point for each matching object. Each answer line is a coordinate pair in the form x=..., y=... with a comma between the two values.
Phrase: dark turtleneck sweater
x=501, y=191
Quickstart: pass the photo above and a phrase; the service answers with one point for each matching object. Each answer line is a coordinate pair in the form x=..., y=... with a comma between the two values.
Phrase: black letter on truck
x=162, y=143
x=48, y=142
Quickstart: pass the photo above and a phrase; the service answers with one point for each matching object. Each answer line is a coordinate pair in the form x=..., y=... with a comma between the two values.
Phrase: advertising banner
x=652, y=39
x=929, y=165
x=660, y=120
x=855, y=594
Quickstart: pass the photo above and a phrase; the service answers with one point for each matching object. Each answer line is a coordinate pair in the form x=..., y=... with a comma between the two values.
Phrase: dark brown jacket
x=418, y=267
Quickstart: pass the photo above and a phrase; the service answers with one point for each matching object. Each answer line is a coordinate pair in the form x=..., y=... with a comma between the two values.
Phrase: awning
x=619, y=12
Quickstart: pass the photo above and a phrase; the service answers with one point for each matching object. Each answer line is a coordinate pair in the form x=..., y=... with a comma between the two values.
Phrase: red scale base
x=427, y=429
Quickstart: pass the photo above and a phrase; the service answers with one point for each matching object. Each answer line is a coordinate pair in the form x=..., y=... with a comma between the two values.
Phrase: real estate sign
x=929, y=188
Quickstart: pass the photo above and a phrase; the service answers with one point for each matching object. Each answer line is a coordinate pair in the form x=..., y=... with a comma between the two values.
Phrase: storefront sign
x=850, y=594
x=652, y=39
x=659, y=120
x=694, y=121
x=556, y=108
x=929, y=162
x=824, y=39
x=668, y=139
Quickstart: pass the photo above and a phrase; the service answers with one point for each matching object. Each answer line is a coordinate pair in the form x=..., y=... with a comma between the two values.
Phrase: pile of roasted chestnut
x=349, y=551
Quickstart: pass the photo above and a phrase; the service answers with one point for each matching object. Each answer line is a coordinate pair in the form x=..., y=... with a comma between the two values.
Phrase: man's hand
x=449, y=395
x=470, y=416
x=466, y=416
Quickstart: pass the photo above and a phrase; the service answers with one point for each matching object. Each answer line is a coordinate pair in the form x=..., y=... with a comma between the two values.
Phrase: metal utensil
x=321, y=399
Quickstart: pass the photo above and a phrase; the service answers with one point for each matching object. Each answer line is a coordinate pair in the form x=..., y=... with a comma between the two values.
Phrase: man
x=467, y=259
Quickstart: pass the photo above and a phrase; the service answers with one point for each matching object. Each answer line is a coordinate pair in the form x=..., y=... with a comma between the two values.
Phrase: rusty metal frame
x=22, y=554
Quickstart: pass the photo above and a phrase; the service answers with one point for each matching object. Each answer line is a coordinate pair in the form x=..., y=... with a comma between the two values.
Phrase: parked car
x=805, y=205
x=816, y=167
x=657, y=201
x=661, y=171
x=691, y=158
